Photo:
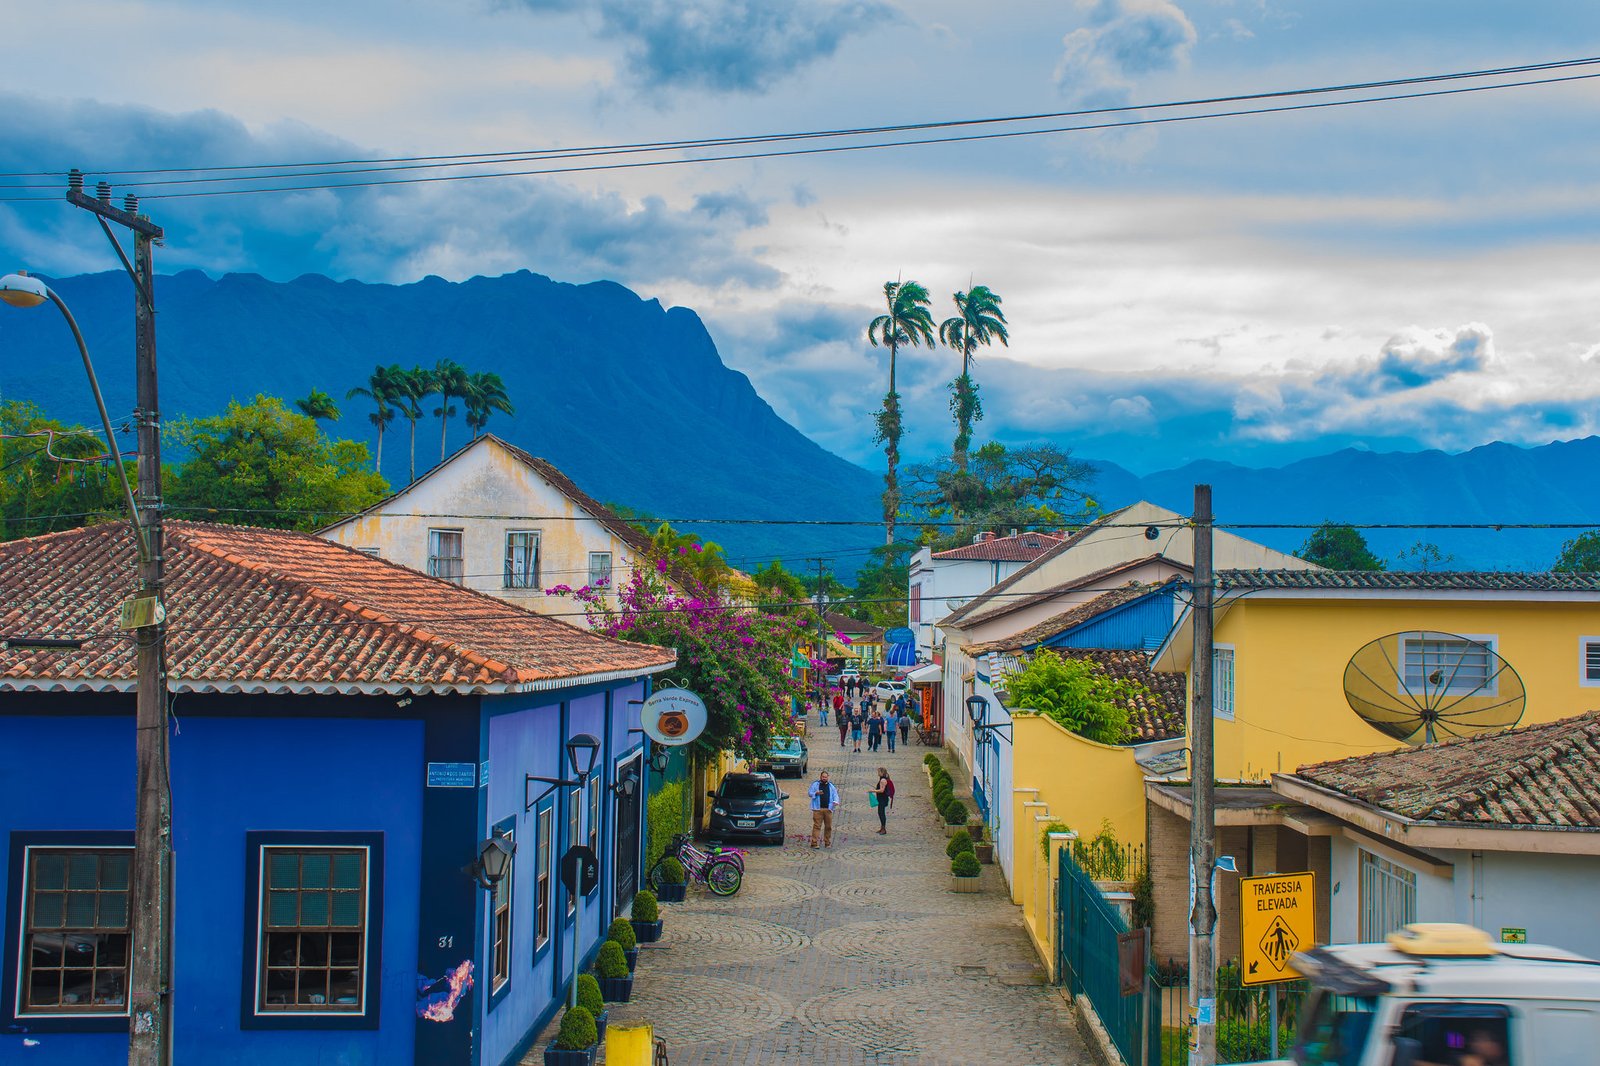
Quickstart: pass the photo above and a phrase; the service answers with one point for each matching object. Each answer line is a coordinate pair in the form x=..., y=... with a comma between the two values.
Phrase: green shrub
x=930, y=760
x=622, y=933
x=955, y=813
x=959, y=842
x=941, y=774
x=578, y=1030
x=965, y=865
x=1044, y=836
x=665, y=817
x=611, y=962
x=1144, y=900
x=589, y=997
x=942, y=794
x=644, y=907
x=672, y=872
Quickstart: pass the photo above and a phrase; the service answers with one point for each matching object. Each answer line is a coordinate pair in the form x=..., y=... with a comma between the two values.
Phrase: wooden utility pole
x=1203, y=815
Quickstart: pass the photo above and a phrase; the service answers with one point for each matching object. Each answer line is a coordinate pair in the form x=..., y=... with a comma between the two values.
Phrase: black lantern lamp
x=977, y=712
x=627, y=786
x=493, y=861
x=582, y=750
x=660, y=759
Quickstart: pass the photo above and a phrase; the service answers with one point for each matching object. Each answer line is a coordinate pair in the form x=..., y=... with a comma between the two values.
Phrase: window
x=916, y=603
x=313, y=929
x=369, y=551
x=1589, y=662
x=444, y=554
x=541, y=875
x=1388, y=897
x=1457, y=1032
x=500, y=922
x=75, y=931
x=522, y=559
x=599, y=569
x=594, y=817
x=1448, y=666
x=574, y=826
x=1222, y=678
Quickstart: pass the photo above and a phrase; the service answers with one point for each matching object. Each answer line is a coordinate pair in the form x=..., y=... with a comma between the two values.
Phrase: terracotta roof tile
x=1152, y=719
x=852, y=627
x=272, y=610
x=1018, y=548
x=1539, y=775
x=1438, y=580
x=1001, y=606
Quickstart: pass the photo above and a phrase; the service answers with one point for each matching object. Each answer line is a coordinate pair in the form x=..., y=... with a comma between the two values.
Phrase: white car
x=889, y=690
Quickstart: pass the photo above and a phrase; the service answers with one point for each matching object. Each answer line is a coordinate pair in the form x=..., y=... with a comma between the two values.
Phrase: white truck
x=1448, y=995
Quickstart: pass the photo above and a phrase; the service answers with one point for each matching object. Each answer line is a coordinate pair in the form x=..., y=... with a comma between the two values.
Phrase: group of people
x=857, y=720
x=825, y=801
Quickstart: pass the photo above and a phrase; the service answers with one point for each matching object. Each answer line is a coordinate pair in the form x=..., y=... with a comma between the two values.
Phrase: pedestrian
x=842, y=717
x=822, y=712
x=883, y=792
x=874, y=731
x=890, y=724
x=838, y=702
x=824, y=801
x=905, y=726
x=855, y=729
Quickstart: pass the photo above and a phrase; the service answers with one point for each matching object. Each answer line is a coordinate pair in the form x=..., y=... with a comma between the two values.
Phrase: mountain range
x=633, y=401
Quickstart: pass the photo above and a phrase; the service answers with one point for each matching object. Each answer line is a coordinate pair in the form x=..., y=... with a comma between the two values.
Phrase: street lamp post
x=581, y=753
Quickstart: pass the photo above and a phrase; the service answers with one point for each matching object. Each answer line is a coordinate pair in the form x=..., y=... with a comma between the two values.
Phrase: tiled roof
x=1020, y=548
x=1408, y=580
x=1156, y=719
x=266, y=610
x=1540, y=775
x=1001, y=606
x=1066, y=620
x=978, y=603
x=852, y=627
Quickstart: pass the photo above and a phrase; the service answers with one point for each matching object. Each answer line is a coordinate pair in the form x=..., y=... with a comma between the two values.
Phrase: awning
x=902, y=655
x=926, y=675
x=839, y=651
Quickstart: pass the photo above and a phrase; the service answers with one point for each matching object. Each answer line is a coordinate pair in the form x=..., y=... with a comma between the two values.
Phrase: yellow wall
x=1290, y=658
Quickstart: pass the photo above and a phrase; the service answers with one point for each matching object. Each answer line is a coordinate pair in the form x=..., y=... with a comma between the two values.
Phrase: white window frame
x=574, y=835
x=20, y=1012
x=496, y=980
x=374, y=552
x=544, y=874
x=1224, y=707
x=1584, y=644
x=608, y=575
x=434, y=558
x=592, y=816
x=513, y=581
x=366, y=931
x=1488, y=640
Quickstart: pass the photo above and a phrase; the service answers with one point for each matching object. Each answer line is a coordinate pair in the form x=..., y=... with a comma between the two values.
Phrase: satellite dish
x=1422, y=685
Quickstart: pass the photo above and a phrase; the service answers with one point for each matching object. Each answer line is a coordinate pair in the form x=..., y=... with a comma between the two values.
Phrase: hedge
x=665, y=818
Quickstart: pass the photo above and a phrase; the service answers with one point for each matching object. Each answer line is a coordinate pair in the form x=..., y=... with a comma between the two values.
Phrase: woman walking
x=890, y=723
x=883, y=796
x=842, y=718
x=905, y=723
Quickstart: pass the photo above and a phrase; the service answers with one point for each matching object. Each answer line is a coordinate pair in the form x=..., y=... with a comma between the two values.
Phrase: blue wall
x=1137, y=626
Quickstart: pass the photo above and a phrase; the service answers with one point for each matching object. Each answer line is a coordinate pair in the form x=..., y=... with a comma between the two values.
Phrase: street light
x=494, y=860
x=977, y=712
x=581, y=752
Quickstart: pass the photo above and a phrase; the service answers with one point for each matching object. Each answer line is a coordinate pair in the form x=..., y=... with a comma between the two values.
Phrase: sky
x=1418, y=274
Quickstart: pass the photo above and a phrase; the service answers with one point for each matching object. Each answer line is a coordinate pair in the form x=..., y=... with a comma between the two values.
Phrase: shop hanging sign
x=673, y=716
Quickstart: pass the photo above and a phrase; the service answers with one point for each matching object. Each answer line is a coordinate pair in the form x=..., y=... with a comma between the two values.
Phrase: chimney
x=983, y=538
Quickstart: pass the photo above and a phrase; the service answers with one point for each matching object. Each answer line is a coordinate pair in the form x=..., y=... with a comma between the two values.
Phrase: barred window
x=75, y=938
x=313, y=928
x=1449, y=666
x=1388, y=897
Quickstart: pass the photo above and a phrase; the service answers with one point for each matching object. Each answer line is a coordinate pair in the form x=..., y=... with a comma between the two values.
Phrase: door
x=625, y=855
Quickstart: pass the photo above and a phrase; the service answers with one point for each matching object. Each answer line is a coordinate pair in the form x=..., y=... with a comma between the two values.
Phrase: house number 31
x=447, y=941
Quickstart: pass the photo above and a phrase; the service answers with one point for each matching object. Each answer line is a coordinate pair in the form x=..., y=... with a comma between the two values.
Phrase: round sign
x=673, y=716
x=902, y=635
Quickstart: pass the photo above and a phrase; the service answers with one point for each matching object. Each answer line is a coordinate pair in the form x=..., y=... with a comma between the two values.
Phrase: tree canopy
x=1581, y=553
x=48, y=479
x=1339, y=548
x=1029, y=486
x=1078, y=694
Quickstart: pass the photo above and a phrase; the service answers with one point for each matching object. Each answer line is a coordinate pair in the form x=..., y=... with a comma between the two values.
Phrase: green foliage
x=1080, y=695
x=318, y=405
x=1581, y=553
x=1423, y=556
x=978, y=321
x=262, y=464
x=672, y=872
x=611, y=963
x=1044, y=836
x=645, y=907
x=965, y=864
x=942, y=795
x=1339, y=547
x=1031, y=486
x=1102, y=857
x=959, y=842
x=578, y=1030
x=775, y=584
x=930, y=760
x=41, y=494
x=485, y=394
x=622, y=933
x=881, y=585
x=665, y=817
x=589, y=997
x=955, y=813
x=1144, y=899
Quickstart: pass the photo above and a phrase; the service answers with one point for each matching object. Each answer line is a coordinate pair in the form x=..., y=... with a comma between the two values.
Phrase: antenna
x=1421, y=685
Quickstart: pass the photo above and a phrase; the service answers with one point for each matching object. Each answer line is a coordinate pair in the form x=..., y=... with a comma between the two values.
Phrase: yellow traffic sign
x=1277, y=917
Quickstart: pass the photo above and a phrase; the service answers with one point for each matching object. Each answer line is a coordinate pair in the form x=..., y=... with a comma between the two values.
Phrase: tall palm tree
x=485, y=394
x=908, y=321
x=318, y=405
x=449, y=380
x=978, y=321
x=381, y=390
x=410, y=388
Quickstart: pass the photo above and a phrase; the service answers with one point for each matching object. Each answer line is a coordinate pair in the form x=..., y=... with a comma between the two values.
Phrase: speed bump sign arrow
x=1277, y=917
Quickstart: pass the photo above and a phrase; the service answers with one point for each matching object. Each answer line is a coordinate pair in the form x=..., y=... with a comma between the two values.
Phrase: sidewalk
x=858, y=955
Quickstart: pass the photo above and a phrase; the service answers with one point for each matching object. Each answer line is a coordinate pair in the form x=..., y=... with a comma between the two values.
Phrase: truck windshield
x=1334, y=1030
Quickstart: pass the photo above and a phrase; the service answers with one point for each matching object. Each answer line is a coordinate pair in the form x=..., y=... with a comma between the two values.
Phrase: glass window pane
x=77, y=987
x=313, y=949
x=114, y=870
x=344, y=988
x=113, y=910
x=283, y=949
x=113, y=951
x=44, y=988
x=284, y=869
x=313, y=908
x=83, y=870
x=280, y=987
x=281, y=909
x=315, y=868
x=80, y=910
x=50, y=870
x=45, y=950
x=49, y=910
x=347, y=908
x=346, y=949
x=347, y=869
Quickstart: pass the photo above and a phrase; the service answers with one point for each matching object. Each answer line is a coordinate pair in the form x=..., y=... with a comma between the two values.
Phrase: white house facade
x=940, y=582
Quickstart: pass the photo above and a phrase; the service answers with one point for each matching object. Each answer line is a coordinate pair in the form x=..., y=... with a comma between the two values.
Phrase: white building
x=940, y=582
x=496, y=519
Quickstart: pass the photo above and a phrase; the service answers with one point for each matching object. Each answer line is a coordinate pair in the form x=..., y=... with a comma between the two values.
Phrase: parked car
x=747, y=805
x=888, y=690
x=788, y=755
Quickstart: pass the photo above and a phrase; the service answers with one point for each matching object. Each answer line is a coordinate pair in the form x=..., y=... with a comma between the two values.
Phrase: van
x=1447, y=995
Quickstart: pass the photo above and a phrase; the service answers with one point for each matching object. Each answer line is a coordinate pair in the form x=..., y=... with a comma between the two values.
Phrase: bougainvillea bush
x=735, y=657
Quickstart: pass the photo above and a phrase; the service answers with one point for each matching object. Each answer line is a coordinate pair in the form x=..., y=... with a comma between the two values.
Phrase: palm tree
x=449, y=380
x=978, y=320
x=410, y=388
x=318, y=405
x=908, y=321
x=381, y=390
x=485, y=394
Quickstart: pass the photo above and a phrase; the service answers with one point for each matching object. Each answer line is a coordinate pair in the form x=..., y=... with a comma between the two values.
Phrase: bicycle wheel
x=657, y=876
x=723, y=877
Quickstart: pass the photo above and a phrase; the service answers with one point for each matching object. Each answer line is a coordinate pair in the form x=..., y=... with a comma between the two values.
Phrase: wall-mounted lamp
x=581, y=752
x=977, y=711
x=660, y=759
x=626, y=787
x=494, y=859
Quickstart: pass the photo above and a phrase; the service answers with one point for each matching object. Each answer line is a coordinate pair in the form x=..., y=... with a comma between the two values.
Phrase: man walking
x=890, y=723
x=824, y=801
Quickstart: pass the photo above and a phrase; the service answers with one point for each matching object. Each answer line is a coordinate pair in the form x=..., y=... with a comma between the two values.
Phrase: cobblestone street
x=859, y=954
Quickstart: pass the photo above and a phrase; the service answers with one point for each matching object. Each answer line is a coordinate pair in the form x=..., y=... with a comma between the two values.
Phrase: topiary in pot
x=616, y=983
x=964, y=872
x=959, y=842
x=955, y=813
x=930, y=760
x=590, y=999
x=575, y=1041
x=672, y=886
x=622, y=932
x=646, y=917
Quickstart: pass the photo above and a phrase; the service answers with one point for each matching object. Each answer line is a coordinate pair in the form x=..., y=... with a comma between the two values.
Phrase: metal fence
x=1107, y=859
x=1244, y=1017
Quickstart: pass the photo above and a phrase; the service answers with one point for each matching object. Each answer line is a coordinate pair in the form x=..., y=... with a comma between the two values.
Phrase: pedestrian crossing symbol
x=1277, y=917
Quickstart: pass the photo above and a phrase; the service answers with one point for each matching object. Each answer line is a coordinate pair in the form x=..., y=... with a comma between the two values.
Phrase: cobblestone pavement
x=858, y=955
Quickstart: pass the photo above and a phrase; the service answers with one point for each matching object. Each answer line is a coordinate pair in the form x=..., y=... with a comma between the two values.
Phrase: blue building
x=345, y=733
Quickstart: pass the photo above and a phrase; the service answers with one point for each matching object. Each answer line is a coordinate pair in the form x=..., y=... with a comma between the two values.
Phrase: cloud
x=1124, y=40
x=1417, y=357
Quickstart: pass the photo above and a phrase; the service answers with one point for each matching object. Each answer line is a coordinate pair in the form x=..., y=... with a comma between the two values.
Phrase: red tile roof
x=1540, y=775
x=266, y=610
x=1002, y=605
x=853, y=628
x=1019, y=548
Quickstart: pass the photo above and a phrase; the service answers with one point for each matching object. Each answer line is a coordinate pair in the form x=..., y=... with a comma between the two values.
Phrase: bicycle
x=723, y=874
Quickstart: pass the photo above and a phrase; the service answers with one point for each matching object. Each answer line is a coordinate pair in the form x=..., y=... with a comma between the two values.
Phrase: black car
x=747, y=805
x=788, y=755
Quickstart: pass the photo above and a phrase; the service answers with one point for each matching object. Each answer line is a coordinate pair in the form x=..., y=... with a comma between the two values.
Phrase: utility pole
x=822, y=628
x=1203, y=815
x=150, y=921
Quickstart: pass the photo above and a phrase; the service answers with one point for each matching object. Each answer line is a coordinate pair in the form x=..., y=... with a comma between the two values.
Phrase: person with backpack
x=883, y=798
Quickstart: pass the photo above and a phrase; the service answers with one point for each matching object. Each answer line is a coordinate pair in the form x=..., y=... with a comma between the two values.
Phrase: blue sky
x=1414, y=275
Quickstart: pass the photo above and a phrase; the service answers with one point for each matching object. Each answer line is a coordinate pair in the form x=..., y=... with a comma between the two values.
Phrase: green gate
x=1087, y=963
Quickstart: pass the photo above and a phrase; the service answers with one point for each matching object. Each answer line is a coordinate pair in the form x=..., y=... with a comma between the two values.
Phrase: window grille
x=75, y=935
x=1388, y=897
x=313, y=925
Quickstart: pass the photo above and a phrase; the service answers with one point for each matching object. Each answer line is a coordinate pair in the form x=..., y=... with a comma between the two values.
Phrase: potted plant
x=959, y=842
x=964, y=871
x=611, y=967
x=975, y=829
x=984, y=851
x=590, y=999
x=645, y=917
x=576, y=1041
x=622, y=933
x=672, y=888
x=955, y=817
